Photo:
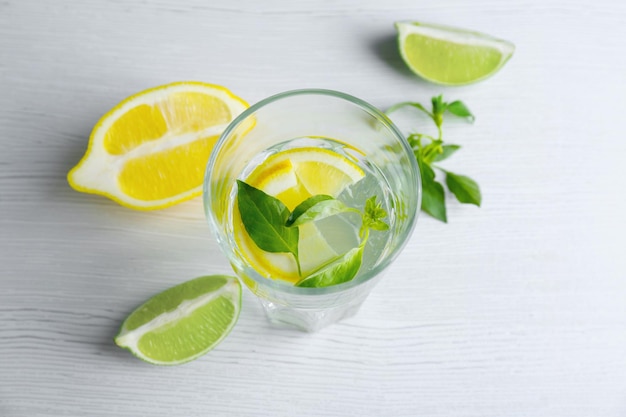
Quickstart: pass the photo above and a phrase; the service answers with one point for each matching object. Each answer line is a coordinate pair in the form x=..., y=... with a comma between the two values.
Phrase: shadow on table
x=386, y=49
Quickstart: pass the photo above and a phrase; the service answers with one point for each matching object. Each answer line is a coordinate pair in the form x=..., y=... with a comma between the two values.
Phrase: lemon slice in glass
x=292, y=176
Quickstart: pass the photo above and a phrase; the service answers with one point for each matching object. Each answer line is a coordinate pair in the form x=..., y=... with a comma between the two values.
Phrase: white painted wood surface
x=514, y=309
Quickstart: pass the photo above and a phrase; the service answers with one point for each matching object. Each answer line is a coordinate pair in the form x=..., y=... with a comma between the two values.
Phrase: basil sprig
x=273, y=228
x=428, y=150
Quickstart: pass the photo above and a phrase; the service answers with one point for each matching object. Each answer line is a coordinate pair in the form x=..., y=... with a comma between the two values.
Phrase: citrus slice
x=317, y=170
x=183, y=322
x=451, y=56
x=151, y=150
x=292, y=176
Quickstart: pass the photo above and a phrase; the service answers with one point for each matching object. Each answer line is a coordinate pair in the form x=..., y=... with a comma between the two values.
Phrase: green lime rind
x=184, y=322
x=451, y=56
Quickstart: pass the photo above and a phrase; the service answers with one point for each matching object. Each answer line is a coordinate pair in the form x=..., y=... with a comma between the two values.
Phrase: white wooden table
x=514, y=309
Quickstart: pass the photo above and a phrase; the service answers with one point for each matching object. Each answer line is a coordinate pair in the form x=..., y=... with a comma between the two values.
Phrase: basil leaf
x=439, y=107
x=465, y=189
x=378, y=225
x=264, y=218
x=448, y=150
x=433, y=196
x=373, y=215
x=438, y=104
x=316, y=208
x=343, y=269
x=374, y=211
x=414, y=141
x=458, y=108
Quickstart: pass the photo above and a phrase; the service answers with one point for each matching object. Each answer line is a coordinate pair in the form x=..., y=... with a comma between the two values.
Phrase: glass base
x=308, y=320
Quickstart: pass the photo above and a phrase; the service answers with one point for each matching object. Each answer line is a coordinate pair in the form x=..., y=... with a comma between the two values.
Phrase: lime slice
x=451, y=56
x=183, y=322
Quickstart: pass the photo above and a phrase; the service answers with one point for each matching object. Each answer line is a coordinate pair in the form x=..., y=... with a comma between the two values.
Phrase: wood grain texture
x=515, y=309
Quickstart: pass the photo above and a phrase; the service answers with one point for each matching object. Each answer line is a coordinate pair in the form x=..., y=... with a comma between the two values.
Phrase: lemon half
x=150, y=151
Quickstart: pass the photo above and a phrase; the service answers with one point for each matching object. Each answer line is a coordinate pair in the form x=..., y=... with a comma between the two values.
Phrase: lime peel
x=175, y=308
x=451, y=56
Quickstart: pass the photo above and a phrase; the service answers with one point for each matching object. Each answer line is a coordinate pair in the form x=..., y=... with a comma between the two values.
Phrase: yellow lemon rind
x=96, y=138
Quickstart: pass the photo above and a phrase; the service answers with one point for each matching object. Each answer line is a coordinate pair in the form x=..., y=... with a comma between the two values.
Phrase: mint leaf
x=374, y=210
x=448, y=150
x=373, y=215
x=316, y=208
x=465, y=189
x=342, y=269
x=264, y=217
x=379, y=225
x=433, y=196
x=458, y=108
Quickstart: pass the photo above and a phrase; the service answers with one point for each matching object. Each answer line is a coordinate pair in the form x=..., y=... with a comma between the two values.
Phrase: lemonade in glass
x=311, y=194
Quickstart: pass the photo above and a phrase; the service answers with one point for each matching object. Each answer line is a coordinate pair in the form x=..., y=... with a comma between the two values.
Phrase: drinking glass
x=312, y=113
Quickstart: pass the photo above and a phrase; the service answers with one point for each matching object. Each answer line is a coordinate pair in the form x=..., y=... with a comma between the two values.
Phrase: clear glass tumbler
x=312, y=113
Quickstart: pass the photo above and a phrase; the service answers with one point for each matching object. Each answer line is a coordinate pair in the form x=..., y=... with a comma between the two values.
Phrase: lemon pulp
x=150, y=151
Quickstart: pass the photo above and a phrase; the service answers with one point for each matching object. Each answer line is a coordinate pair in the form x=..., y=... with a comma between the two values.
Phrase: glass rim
x=276, y=284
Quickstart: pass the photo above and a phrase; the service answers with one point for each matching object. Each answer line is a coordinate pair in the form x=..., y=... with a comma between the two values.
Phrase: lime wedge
x=451, y=56
x=183, y=322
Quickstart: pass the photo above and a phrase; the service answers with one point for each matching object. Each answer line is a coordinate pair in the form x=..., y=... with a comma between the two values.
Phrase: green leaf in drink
x=345, y=267
x=316, y=208
x=342, y=269
x=274, y=229
x=264, y=218
x=373, y=216
x=374, y=211
x=465, y=189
